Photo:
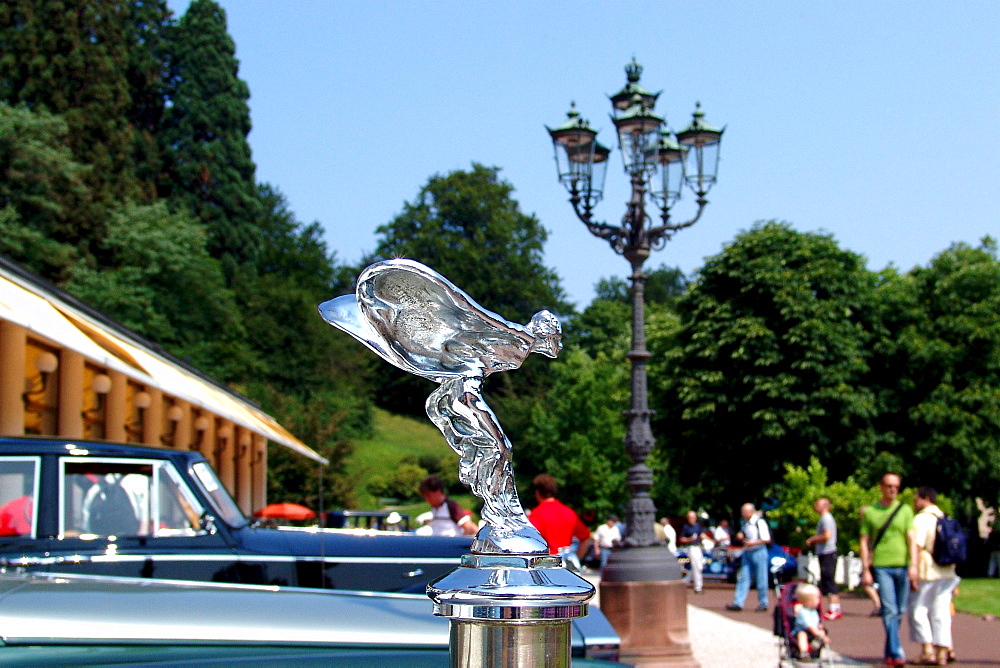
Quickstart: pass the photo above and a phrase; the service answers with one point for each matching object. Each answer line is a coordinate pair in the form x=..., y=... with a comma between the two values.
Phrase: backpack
x=950, y=543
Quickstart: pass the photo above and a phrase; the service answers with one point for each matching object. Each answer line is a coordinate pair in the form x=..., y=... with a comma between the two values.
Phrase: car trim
x=111, y=558
x=203, y=584
x=44, y=610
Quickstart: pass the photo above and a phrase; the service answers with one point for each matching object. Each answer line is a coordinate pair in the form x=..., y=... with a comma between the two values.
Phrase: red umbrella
x=285, y=511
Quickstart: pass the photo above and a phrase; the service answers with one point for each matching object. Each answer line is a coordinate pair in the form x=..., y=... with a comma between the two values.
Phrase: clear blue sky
x=876, y=122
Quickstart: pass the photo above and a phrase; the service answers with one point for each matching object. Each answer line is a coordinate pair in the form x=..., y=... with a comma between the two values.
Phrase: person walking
x=557, y=522
x=665, y=533
x=930, y=606
x=690, y=539
x=824, y=544
x=887, y=535
x=871, y=591
x=753, y=562
x=606, y=537
x=993, y=549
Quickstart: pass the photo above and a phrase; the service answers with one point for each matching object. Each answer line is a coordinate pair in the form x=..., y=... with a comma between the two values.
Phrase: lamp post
x=659, y=164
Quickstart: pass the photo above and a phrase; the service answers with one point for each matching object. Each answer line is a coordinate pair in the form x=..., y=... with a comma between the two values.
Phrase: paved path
x=744, y=640
x=860, y=637
x=720, y=642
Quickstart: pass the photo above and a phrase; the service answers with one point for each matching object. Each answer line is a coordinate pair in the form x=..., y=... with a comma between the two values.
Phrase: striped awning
x=64, y=324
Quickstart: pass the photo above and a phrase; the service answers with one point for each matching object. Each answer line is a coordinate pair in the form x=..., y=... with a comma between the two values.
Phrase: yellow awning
x=65, y=325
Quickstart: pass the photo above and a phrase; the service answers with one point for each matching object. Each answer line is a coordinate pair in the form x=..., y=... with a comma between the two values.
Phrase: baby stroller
x=784, y=620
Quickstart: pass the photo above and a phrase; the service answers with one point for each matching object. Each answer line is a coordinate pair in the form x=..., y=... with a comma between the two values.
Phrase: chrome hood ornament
x=419, y=321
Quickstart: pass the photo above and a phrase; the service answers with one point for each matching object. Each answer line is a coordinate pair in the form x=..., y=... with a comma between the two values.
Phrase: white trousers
x=697, y=565
x=930, y=612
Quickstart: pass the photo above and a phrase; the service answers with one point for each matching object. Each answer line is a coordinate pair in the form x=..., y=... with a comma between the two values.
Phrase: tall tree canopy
x=41, y=186
x=161, y=282
x=210, y=166
x=149, y=80
x=940, y=372
x=663, y=286
x=769, y=365
x=71, y=59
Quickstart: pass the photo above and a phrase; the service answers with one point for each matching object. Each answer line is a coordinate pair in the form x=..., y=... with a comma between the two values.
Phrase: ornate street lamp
x=661, y=164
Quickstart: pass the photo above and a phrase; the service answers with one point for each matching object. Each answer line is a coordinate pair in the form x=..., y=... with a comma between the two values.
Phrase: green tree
x=161, y=283
x=602, y=327
x=40, y=187
x=293, y=274
x=211, y=170
x=663, y=286
x=576, y=433
x=801, y=486
x=149, y=79
x=941, y=354
x=311, y=377
x=798, y=491
x=70, y=58
x=769, y=365
x=322, y=421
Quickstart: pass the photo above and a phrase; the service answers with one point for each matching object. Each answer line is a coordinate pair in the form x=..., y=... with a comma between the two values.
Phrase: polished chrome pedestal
x=510, y=610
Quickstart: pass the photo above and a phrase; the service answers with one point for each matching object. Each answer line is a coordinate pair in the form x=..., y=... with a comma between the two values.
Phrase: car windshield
x=227, y=509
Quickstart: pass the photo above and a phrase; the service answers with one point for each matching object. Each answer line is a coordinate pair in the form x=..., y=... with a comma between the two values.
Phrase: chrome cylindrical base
x=497, y=644
x=510, y=610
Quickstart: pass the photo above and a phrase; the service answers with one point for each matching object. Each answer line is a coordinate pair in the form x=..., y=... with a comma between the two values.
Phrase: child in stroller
x=797, y=622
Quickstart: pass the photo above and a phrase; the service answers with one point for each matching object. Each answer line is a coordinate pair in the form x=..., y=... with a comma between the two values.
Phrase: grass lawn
x=979, y=596
x=396, y=438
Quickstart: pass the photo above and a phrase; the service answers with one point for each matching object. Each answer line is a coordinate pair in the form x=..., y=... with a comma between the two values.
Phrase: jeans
x=894, y=588
x=753, y=564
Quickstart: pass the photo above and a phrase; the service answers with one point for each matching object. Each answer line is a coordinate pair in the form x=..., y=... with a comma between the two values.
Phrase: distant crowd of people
x=900, y=572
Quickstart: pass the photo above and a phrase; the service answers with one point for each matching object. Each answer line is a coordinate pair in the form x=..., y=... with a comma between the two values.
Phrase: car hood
x=52, y=609
x=55, y=609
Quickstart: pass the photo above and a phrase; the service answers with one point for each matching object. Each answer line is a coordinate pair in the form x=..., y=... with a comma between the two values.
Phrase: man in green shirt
x=887, y=533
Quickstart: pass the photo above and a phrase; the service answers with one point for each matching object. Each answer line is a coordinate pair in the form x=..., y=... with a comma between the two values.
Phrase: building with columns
x=67, y=370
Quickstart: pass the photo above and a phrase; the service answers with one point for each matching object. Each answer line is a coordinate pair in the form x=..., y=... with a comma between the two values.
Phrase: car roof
x=46, y=445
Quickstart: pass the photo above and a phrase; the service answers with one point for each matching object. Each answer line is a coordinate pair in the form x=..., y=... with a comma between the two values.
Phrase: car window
x=18, y=495
x=224, y=504
x=180, y=512
x=115, y=497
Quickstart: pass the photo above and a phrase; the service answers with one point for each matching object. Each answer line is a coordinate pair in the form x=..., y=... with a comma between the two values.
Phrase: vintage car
x=73, y=620
x=87, y=507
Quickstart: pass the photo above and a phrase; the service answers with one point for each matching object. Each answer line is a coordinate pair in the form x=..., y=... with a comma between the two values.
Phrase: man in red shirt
x=557, y=523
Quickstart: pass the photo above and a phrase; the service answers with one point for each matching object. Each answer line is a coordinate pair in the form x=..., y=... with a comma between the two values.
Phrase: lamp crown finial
x=633, y=71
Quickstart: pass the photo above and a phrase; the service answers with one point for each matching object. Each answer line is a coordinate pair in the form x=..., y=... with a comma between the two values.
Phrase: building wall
x=48, y=390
